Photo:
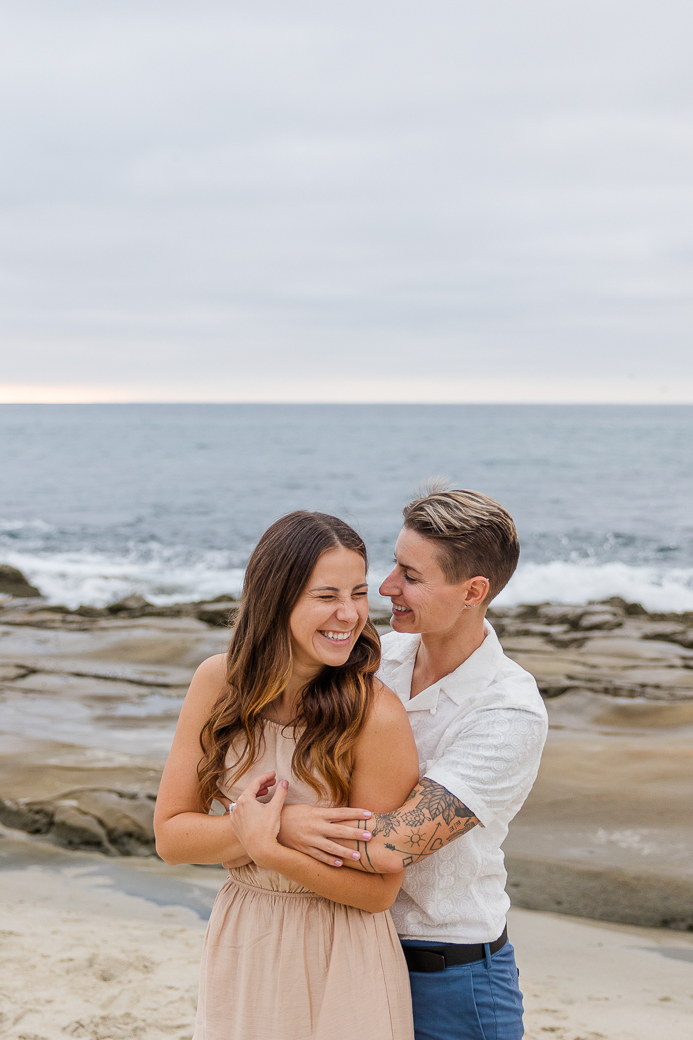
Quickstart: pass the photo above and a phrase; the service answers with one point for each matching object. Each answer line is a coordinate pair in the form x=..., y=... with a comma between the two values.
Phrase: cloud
x=247, y=201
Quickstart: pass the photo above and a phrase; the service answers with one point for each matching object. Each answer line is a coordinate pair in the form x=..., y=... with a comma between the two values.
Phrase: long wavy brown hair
x=333, y=706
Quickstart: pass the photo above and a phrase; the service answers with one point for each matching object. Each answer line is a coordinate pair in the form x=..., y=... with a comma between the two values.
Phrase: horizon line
x=382, y=403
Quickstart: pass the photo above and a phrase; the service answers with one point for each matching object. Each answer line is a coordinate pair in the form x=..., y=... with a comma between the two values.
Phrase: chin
x=402, y=624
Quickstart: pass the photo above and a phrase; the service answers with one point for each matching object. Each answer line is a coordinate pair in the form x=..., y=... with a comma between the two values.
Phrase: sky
x=219, y=200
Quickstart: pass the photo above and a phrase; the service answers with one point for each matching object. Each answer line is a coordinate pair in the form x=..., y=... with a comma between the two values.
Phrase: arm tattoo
x=435, y=819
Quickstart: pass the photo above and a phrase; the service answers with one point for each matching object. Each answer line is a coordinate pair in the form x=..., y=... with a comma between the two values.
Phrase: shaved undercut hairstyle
x=474, y=534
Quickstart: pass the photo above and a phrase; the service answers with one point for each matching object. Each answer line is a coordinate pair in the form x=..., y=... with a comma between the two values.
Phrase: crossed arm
x=386, y=763
x=388, y=842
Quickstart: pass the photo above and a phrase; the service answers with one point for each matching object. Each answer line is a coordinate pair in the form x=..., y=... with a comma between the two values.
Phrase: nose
x=347, y=612
x=391, y=585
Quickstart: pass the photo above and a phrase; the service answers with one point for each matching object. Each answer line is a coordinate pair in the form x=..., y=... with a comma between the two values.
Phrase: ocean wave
x=14, y=527
x=560, y=581
x=162, y=575
x=165, y=575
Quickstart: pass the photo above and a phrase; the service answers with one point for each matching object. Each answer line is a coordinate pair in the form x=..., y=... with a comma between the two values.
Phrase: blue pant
x=479, y=1001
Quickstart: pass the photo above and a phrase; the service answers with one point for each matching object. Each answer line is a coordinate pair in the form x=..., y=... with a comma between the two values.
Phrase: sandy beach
x=101, y=940
x=82, y=958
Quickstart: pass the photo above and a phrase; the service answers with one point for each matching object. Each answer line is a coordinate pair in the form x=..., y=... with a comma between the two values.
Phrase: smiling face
x=331, y=611
x=422, y=598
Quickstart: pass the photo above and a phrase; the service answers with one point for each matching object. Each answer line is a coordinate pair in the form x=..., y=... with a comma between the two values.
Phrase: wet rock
x=112, y=822
x=218, y=613
x=131, y=603
x=23, y=815
x=128, y=819
x=381, y=620
x=598, y=621
x=674, y=634
x=84, y=610
x=74, y=829
x=624, y=607
x=13, y=583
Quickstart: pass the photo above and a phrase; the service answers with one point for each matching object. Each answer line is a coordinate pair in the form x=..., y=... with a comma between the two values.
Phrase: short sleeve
x=492, y=761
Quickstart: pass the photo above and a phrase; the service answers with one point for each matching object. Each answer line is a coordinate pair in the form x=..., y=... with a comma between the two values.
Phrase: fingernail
x=338, y=863
x=356, y=855
x=366, y=835
x=367, y=814
x=285, y=783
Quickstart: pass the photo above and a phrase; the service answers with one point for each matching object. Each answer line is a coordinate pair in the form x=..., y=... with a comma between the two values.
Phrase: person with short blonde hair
x=480, y=725
x=474, y=534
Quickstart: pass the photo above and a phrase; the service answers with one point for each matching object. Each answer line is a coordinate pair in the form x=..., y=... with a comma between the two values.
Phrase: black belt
x=438, y=958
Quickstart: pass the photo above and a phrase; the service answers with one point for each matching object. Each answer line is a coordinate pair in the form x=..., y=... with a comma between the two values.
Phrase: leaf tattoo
x=437, y=801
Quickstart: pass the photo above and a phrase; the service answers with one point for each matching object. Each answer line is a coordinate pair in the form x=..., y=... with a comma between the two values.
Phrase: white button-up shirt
x=479, y=732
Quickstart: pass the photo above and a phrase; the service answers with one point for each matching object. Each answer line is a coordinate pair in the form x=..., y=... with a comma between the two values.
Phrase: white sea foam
x=15, y=526
x=166, y=575
x=560, y=581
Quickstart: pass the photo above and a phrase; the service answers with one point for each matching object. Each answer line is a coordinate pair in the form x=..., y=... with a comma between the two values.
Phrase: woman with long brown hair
x=295, y=949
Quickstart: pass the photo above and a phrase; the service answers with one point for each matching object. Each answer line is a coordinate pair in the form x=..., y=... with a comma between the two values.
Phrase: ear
x=477, y=590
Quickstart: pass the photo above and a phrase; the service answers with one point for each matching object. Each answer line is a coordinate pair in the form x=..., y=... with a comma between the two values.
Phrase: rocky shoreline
x=90, y=697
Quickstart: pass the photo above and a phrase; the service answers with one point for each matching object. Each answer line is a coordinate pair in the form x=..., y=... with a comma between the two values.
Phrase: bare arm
x=386, y=764
x=184, y=832
x=430, y=818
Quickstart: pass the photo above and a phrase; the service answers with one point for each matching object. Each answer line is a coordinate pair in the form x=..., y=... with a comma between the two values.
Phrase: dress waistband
x=274, y=891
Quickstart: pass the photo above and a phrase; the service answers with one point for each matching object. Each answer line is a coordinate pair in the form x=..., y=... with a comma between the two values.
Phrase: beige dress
x=280, y=963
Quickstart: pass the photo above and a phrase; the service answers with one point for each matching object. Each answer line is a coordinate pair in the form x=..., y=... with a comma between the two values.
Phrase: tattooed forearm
x=430, y=818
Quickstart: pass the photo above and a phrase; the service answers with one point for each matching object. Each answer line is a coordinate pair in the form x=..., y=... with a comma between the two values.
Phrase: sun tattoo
x=431, y=818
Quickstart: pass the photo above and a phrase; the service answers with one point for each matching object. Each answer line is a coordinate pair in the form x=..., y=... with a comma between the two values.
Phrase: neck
x=286, y=703
x=442, y=652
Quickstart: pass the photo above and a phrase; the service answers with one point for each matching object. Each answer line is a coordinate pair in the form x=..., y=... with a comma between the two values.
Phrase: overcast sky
x=264, y=200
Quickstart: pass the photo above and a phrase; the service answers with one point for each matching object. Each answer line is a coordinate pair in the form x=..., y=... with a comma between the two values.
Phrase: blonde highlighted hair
x=474, y=534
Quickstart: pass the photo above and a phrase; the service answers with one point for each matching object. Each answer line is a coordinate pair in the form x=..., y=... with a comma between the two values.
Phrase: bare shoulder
x=208, y=684
x=386, y=704
x=213, y=670
x=388, y=717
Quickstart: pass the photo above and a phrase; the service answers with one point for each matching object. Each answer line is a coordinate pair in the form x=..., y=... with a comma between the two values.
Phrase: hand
x=257, y=824
x=315, y=832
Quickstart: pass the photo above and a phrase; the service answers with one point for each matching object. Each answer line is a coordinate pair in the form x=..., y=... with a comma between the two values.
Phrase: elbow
x=381, y=901
x=166, y=854
x=169, y=860
x=381, y=905
x=165, y=851
x=387, y=862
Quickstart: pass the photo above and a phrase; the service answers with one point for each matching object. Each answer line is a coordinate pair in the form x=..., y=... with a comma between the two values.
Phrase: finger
x=256, y=785
x=338, y=851
x=323, y=857
x=338, y=831
x=279, y=796
x=346, y=813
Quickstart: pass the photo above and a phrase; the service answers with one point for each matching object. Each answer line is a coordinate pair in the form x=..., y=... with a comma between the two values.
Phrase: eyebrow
x=407, y=566
x=332, y=588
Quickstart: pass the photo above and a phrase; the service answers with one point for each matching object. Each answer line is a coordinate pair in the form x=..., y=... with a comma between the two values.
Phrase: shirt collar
x=472, y=676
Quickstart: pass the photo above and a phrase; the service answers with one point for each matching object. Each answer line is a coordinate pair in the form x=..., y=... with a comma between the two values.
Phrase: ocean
x=168, y=500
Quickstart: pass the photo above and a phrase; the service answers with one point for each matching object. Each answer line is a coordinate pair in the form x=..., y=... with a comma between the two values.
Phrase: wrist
x=271, y=856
